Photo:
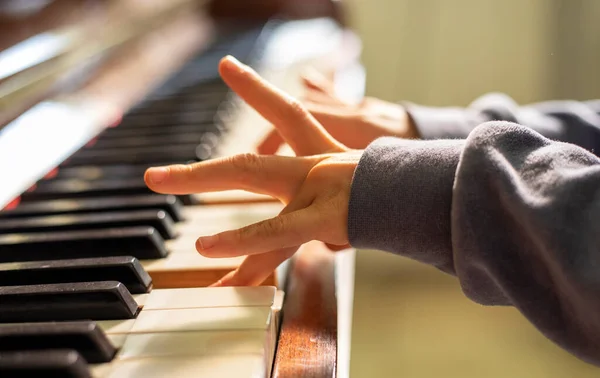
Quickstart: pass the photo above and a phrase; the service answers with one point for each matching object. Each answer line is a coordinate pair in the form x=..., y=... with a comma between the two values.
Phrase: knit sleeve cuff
x=401, y=198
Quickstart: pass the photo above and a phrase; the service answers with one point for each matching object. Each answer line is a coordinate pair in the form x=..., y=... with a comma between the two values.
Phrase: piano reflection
x=99, y=276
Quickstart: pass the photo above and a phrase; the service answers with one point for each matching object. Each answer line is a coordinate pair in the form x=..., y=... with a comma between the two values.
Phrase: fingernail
x=234, y=60
x=158, y=175
x=241, y=67
x=207, y=242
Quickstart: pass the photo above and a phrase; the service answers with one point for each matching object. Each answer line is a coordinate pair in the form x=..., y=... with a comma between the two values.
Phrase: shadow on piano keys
x=99, y=276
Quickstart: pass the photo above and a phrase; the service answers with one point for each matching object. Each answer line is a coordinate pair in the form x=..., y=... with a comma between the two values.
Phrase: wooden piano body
x=103, y=81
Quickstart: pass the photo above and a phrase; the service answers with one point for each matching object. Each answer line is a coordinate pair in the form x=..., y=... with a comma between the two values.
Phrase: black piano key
x=184, y=103
x=158, y=219
x=105, y=300
x=144, y=154
x=165, y=105
x=168, y=118
x=207, y=96
x=97, y=172
x=124, y=132
x=124, y=269
x=60, y=188
x=151, y=140
x=140, y=242
x=74, y=188
x=86, y=337
x=167, y=203
x=176, y=156
x=57, y=363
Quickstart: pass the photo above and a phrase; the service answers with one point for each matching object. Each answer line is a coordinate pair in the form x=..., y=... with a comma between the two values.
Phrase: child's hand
x=355, y=126
x=315, y=185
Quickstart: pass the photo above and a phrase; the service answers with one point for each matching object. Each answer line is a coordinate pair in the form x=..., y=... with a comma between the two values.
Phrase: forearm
x=510, y=213
x=567, y=121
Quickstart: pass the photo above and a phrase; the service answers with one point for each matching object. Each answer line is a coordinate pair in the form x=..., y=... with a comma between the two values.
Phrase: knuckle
x=297, y=109
x=246, y=162
x=181, y=170
x=273, y=226
x=247, y=233
x=265, y=229
x=247, y=165
x=240, y=235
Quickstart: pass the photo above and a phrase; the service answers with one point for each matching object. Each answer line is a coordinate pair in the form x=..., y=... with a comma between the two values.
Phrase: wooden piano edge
x=308, y=338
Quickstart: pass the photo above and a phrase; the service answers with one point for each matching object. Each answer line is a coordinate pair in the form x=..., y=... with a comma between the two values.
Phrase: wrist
x=398, y=121
x=410, y=127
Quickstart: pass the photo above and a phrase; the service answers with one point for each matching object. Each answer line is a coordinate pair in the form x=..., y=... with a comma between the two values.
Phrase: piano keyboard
x=98, y=205
x=100, y=329
x=105, y=272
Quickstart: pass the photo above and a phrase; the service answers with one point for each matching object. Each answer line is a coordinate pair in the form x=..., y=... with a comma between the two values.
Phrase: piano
x=99, y=276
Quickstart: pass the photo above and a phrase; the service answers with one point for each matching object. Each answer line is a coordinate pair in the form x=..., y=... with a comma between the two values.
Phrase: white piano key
x=101, y=370
x=140, y=298
x=118, y=339
x=194, y=344
x=185, y=242
x=233, y=213
x=202, y=319
x=224, y=324
x=190, y=260
x=278, y=300
x=277, y=307
x=237, y=366
x=113, y=327
x=210, y=297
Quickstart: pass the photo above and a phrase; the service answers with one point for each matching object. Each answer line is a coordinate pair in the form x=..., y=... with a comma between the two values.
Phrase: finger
x=282, y=231
x=324, y=99
x=270, y=144
x=315, y=100
x=297, y=127
x=312, y=85
x=277, y=176
x=314, y=80
x=255, y=269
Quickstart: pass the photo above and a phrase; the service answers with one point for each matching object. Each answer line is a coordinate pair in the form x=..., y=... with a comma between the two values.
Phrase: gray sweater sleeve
x=512, y=214
x=566, y=121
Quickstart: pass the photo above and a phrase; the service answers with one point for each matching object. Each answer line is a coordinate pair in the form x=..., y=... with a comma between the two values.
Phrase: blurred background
x=449, y=52
x=413, y=321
